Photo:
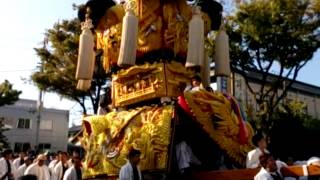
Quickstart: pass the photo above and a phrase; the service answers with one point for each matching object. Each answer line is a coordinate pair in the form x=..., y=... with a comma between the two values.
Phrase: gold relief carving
x=148, y=81
x=150, y=35
x=147, y=8
x=150, y=26
x=109, y=42
x=107, y=139
x=224, y=128
x=176, y=17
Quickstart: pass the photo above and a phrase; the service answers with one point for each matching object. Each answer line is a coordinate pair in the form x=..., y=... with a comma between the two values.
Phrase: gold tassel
x=196, y=40
x=86, y=54
x=84, y=85
x=129, y=37
x=222, y=59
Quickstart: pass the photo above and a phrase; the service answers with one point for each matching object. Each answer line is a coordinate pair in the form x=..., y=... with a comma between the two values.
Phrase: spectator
x=20, y=171
x=131, y=171
x=20, y=160
x=261, y=148
x=39, y=169
x=61, y=167
x=54, y=162
x=6, y=166
x=74, y=172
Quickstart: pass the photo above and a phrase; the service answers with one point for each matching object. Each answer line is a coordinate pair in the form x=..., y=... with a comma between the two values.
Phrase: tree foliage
x=293, y=128
x=7, y=94
x=265, y=34
x=3, y=139
x=57, y=68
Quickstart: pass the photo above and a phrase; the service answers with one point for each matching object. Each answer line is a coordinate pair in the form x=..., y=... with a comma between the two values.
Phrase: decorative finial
x=87, y=24
x=130, y=5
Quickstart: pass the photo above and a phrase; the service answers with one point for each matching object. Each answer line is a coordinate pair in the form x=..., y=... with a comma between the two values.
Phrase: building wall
x=245, y=97
x=53, y=128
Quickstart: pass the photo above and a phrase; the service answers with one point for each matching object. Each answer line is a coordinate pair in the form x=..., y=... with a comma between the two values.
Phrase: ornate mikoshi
x=157, y=71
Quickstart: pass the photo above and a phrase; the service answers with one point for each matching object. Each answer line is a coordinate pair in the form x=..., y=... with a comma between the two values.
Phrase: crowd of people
x=59, y=166
x=31, y=166
x=270, y=169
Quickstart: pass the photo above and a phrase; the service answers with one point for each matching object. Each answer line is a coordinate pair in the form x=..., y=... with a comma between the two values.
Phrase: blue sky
x=23, y=25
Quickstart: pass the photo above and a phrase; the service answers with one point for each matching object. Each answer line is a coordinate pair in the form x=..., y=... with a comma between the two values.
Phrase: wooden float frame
x=248, y=174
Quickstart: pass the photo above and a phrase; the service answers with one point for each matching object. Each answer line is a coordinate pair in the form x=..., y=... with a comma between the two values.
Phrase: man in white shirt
x=270, y=169
x=74, y=172
x=6, y=166
x=20, y=171
x=39, y=169
x=104, y=103
x=131, y=171
x=54, y=162
x=61, y=167
x=20, y=160
x=185, y=156
x=261, y=148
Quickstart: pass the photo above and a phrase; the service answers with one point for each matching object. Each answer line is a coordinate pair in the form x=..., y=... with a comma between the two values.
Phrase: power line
x=17, y=70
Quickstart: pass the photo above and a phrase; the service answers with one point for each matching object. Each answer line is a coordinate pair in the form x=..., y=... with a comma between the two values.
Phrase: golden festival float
x=153, y=49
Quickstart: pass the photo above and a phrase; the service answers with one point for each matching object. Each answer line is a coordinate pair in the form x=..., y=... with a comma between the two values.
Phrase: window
x=44, y=147
x=18, y=147
x=238, y=83
x=24, y=123
x=46, y=124
x=305, y=109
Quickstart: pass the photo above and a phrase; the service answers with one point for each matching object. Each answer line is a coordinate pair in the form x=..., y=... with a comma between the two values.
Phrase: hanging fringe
x=86, y=54
x=196, y=40
x=222, y=59
x=129, y=37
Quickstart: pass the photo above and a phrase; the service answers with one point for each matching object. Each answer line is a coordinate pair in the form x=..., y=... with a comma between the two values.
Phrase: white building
x=306, y=93
x=300, y=91
x=21, y=118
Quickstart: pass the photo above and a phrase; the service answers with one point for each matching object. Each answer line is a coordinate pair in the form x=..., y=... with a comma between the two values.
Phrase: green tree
x=7, y=96
x=56, y=72
x=3, y=139
x=292, y=127
x=265, y=34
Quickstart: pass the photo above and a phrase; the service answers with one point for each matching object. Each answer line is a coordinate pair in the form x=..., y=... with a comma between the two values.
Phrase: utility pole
x=40, y=103
x=39, y=109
